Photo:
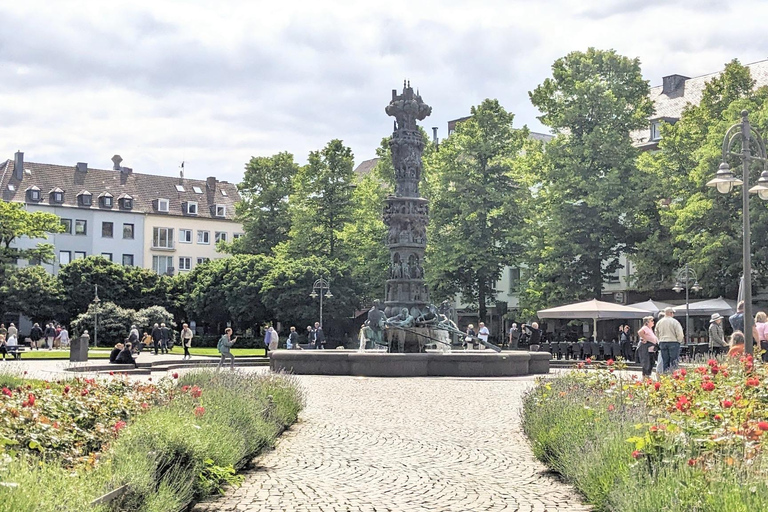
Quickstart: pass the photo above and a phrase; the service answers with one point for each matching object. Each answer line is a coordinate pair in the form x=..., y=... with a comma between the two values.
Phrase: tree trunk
x=483, y=311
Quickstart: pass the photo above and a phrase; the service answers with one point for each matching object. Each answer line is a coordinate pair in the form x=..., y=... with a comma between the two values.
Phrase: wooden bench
x=15, y=350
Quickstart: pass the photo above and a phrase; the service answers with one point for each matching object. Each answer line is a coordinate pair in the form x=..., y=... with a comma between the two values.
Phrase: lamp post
x=725, y=181
x=96, y=301
x=685, y=276
x=320, y=285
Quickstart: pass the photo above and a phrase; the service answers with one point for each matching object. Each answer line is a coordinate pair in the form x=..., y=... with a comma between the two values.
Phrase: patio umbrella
x=594, y=309
x=651, y=306
x=707, y=307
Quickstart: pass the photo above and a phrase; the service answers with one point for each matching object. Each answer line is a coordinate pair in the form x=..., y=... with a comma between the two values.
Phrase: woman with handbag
x=469, y=339
x=648, y=346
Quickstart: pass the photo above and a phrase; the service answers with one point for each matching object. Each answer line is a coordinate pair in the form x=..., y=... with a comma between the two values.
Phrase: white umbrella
x=651, y=306
x=594, y=309
x=706, y=307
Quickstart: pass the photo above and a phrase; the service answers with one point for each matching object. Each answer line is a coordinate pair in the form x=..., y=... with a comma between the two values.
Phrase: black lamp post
x=320, y=285
x=725, y=181
x=96, y=301
x=685, y=276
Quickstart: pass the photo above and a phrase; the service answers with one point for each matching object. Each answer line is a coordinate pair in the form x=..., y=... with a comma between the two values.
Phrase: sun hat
x=715, y=316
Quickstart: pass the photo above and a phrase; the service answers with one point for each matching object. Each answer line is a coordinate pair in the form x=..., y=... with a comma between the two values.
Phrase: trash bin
x=78, y=348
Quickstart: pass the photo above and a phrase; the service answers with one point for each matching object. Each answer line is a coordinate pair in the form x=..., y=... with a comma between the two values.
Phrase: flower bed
x=694, y=440
x=168, y=443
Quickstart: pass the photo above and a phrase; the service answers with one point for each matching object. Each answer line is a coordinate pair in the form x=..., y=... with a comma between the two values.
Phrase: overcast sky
x=213, y=83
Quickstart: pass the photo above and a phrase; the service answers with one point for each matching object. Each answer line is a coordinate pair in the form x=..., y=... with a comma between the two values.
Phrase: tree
x=474, y=206
x=585, y=197
x=33, y=292
x=321, y=203
x=265, y=189
x=688, y=222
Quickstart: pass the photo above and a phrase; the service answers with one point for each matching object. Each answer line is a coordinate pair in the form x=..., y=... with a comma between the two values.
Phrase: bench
x=15, y=350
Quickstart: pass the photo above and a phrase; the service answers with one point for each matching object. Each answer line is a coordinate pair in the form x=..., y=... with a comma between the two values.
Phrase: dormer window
x=224, y=192
x=33, y=193
x=125, y=201
x=220, y=210
x=655, y=130
x=57, y=196
x=84, y=198
x=105, y=200
x=197, y=190
x=163, y=205
x=190, y=207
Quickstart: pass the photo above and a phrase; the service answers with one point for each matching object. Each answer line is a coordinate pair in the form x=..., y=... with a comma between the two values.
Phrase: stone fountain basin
x=431, y=364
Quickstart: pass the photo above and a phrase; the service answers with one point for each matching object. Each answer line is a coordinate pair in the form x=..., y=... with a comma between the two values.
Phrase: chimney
x=116, y=160
x=18, y=165
x=672, y=83
x=211, y=182
x=434, y=134
x=81, y=167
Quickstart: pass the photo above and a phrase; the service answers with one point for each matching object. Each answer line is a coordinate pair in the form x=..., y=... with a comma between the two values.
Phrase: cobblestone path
x=365, y=444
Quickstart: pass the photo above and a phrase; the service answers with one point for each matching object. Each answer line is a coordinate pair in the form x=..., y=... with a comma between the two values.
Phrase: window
x=84, y=198
x=81, y=227
x=57, y=196
x=128, y=260
x=224, y=192
x=79, y=255
x=197, y=190
x=204, y=237
x=67, y=223
x=655, y=130
x=107, y=229
x=128, y=231
x=64, y=257
x=190, y=208
x=107, y=256
x=185, y=237
x=202, y=260
x=126, y=202
x=162, y=238
x=236, y=236
x=221, y=210
x=220, y=236
x=163, y=205
x=106, y=200
x=33, y=193
x=185, y=263
x=179, y=188
x=514, y=280
x=162, y=264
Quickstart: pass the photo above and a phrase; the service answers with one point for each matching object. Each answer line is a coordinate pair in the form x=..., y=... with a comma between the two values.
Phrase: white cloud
x=213, y=83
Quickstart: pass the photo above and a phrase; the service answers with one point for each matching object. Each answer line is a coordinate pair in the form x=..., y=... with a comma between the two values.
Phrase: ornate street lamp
x=725, y=181
x=96, y=301
x=320, y=285
x=687, y=279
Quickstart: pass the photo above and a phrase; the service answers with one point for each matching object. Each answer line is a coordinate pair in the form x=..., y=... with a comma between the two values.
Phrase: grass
x=103, y=352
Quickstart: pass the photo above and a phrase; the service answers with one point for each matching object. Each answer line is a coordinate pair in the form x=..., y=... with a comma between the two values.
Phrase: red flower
x=31, y=399
x=111, y=373
x=66, y=389
x=195, y=392
x=656, y=385
x=691, y=462
x=609, y=362
x=611, y=407
x=683, y=404
x=708, y=386
x=588, y=360
x=727, y=403
x=184, y=388
x=119, y=426
x=150, y=379
x=750, y=358
x=637, y=454
x=712, y=362
x=7, y=392
x=84, y=392
x=718, y=417
x=175, y=375
x=55, y=424
x=654, y=428
x=753, y=382
x=715, y=370
x=199, y=411
x=144, y=405
x=762, y=425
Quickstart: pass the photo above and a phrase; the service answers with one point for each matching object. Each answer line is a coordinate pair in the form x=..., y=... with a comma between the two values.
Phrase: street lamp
x=320, y=285
x=96, y=301
x=685, y=276
x=725, y=181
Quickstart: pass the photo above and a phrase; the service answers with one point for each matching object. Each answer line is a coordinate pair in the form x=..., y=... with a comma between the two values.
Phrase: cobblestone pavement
x=366, y=444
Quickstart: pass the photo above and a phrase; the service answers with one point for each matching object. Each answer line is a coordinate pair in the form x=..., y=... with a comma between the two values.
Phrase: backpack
x=220, y=346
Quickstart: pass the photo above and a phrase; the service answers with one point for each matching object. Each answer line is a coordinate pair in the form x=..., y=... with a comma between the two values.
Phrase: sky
x=213, y=83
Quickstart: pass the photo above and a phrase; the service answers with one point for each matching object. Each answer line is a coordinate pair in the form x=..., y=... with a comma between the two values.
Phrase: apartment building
x=126, y=217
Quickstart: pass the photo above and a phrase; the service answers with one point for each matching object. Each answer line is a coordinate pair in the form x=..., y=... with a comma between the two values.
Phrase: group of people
x=472, y=339
x=53, y=336
x=316, y=336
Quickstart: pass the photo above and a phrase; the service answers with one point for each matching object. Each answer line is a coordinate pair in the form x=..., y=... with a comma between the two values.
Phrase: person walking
x=63, y=337
x=274, y=339
x=760, y=333
x=165, y=338
x=670, y=334
x=647, y=348
x=186, y=340
x=319, y=336
x=514, y=336
x=626, y=343
x=225, y=344
x=310, y=337
x=483, y=334
x=293, y=339
x=737, y=319
x=717, y=343
x=50, y=335
x=469, y=338
x=35, y=335
x=156, y=337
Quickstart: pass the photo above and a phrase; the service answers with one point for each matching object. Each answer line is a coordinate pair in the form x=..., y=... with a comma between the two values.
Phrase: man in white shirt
x=483, y=333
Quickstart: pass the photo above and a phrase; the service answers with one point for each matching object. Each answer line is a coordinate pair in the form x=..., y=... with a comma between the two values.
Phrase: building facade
x=159, y=222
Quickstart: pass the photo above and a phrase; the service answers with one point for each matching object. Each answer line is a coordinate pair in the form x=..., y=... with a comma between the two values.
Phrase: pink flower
x=84, y=392
x=656, y=385
x=637, y=454
x=753, y=382
x=7, y=392
x=588, y=360
x=708, y=385
x=196, y=392
x=609, y=362
x=611, y=407
x=718, y=417
x=119, y=426
x=175, y=375
x=762, y=425
x=691, y=462
x=727, y=403
x=144, y=405
x=712, y=362
x=199, y=411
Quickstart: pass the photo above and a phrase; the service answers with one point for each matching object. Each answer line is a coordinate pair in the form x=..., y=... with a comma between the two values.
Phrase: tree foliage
x=585, y=219
x=33, y=292
x=474, y=192
x=16, y=222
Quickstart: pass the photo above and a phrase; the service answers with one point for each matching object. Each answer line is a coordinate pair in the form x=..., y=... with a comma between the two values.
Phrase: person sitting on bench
x=115, y=352
x=3, y=348
x=126, y=356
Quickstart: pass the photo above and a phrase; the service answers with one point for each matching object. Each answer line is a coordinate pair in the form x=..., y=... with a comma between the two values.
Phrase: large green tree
x=16, y=222
x=585, y=195
x=321, y=203
x=34, y=293
x=265, y=189
x=684, y=220
x=474, y=193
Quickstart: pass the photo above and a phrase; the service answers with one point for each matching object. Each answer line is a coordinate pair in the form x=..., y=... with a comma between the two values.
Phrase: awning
x=651, y=306
x=594, y=309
